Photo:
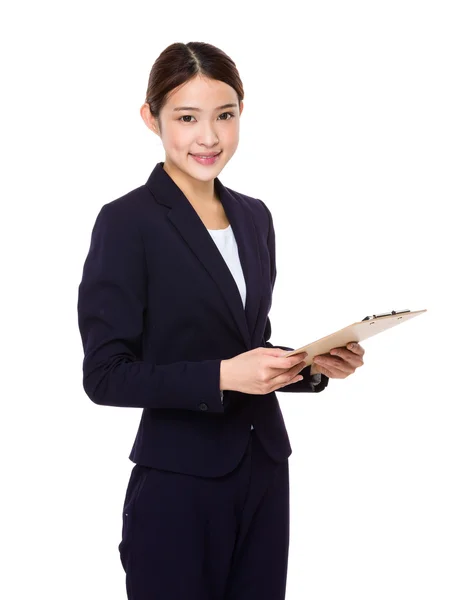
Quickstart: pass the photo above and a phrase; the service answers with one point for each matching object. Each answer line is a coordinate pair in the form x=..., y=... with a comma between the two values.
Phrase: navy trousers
x=186, y=537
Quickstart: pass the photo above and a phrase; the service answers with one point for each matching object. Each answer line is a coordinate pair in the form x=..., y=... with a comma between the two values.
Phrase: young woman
x=173, y=313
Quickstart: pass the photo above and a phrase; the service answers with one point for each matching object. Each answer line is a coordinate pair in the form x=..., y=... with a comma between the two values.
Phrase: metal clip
x=393, y=312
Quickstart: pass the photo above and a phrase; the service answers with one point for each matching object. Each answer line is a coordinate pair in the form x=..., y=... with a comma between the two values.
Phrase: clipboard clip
x=393, y=312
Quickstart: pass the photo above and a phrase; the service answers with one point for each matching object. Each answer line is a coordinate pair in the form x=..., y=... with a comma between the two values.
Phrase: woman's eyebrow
x=178, y=108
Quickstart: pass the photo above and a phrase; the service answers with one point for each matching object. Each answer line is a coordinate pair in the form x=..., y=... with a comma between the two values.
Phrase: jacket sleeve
x=310, y=382
x=111, y=309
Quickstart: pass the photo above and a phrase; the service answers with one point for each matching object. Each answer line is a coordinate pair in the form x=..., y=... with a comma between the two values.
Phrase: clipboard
x=357, y=332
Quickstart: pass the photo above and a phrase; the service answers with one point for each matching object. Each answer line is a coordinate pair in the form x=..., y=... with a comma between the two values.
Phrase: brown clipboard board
x=357, y=332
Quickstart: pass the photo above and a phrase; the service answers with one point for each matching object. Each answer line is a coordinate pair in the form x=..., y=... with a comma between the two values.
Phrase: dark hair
x=179, y=63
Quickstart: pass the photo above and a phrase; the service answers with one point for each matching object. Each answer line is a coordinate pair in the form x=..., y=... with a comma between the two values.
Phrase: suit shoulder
x=130, y=203
x=126, y=211
x=255, y=204
x=124, y=215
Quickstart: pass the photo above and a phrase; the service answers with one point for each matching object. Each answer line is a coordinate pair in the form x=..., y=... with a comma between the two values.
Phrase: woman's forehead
x=202, y=95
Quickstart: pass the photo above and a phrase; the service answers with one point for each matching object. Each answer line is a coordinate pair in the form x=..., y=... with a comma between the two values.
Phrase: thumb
x=275, y=351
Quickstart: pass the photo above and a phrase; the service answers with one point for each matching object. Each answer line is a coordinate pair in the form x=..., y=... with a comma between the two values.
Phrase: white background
x=345, y=135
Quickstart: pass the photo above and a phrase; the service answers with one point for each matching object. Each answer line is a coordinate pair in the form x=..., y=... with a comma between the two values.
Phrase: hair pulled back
x=180, y=62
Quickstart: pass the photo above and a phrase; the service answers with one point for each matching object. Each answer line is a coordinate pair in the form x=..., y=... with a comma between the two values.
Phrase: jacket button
x=203, y=406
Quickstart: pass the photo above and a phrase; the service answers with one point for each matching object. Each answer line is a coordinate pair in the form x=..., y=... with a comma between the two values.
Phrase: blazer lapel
x=184, y=217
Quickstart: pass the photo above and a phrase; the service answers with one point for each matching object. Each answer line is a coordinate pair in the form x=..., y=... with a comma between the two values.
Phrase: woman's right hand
x=261, y=370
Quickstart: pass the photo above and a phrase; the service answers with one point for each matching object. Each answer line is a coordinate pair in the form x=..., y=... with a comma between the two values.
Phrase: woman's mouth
x=206, y=160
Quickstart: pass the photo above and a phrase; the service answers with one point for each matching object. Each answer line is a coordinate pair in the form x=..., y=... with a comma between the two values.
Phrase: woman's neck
x=201, y=193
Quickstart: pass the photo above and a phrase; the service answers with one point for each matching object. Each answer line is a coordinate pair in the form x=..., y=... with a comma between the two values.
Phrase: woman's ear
x=149, y=119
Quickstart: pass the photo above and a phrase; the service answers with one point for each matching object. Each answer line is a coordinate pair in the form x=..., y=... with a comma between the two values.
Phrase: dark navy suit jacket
x=158, y=309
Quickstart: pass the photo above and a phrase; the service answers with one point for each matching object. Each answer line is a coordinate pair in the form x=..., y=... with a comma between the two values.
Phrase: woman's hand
x=261, y=370
x=340, y=362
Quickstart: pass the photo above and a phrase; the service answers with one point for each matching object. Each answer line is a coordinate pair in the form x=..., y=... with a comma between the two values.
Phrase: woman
x=173, y=314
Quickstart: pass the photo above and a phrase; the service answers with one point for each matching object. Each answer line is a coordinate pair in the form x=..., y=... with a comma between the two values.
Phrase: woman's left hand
x=340, y=362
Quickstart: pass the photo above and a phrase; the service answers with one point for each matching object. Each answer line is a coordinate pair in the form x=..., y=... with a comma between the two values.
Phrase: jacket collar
x=183, y=216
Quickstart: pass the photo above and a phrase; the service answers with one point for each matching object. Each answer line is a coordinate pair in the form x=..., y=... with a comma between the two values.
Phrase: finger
x=296, y=370
x=288, y=374
x=334, y=363
x=347, y=355
x=279, y=352
x=332, y=372
x=285, y=363
x=275, y=385
x=300, y=356
x=356, y=348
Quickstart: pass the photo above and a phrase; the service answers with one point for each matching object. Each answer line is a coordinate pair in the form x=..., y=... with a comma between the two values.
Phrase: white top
x=226, y=243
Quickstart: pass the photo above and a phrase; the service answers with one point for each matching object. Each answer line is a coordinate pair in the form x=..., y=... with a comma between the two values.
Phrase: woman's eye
x=191, y=116
x=227, y=113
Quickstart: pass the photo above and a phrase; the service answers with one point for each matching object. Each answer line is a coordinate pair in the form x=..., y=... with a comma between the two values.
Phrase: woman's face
x=208, y=127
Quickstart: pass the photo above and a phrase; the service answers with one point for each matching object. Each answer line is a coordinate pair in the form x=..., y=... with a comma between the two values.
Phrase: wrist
x=223, y=372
